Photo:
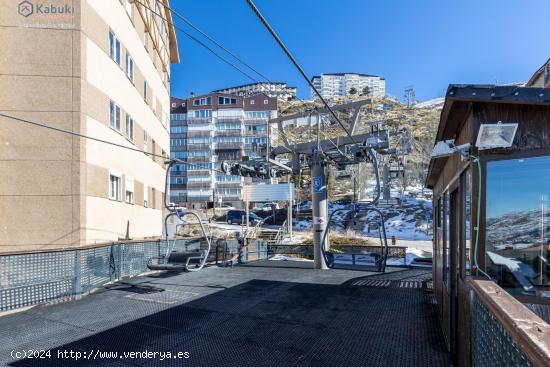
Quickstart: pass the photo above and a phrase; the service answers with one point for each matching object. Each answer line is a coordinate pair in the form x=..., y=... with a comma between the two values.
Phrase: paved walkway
x=244, y=316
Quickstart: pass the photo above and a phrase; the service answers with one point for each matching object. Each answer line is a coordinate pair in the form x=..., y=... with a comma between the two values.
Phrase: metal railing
x=504, y=332
x=33, y=278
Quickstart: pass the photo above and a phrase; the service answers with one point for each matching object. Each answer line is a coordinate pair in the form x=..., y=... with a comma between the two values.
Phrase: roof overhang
x=173, y=40
x=458, y=103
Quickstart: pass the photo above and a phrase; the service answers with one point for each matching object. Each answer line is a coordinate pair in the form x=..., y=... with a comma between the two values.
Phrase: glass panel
x=446, y=238
x=517, y=246
x=467, y=219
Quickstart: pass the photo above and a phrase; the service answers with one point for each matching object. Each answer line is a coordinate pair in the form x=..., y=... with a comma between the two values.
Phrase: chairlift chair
x=180, y=260
x=372, y=261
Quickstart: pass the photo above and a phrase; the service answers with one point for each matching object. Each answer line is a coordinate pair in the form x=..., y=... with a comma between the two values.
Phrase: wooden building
x=507, y=238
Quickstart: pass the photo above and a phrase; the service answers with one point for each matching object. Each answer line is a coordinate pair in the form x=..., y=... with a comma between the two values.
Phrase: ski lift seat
x=177, y=260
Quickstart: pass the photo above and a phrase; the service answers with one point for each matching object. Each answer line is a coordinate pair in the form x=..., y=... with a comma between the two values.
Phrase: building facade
x=97, y=68
x=340, y=84
x=206, y=130
x=272, y=89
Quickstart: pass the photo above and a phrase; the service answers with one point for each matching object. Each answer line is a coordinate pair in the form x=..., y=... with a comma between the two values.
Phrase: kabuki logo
x=27, y=8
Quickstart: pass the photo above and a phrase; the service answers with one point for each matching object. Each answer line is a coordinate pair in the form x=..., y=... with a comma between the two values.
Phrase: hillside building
x=339, y=84
x=541, y=78
x=208, y=129
x=272, y=89
x=101, y=69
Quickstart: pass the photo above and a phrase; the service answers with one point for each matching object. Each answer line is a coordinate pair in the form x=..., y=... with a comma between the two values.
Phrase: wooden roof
x=458, y=102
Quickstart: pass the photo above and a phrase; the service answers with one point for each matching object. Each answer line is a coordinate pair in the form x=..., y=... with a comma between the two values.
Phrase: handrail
x=529, y=332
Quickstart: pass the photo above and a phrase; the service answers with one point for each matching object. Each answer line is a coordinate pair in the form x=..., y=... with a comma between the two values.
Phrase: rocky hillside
x=412, y=132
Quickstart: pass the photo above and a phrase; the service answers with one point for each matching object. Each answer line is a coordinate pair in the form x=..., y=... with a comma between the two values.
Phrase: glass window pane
x=517, y=246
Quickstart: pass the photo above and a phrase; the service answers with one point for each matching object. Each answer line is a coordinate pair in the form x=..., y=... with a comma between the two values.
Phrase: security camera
x=446, y=148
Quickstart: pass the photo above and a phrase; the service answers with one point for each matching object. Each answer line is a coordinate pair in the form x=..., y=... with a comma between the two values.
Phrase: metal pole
x=319, y=207
x=386, y=192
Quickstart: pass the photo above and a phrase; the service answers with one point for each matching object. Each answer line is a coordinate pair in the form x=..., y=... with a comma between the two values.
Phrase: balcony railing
x=230, y=119
x=229, y=132
x=193, y=146
x=199, y=120
x=198, y=172
x=229, y=145
x=198, y=134
x=228, y=184
x=256, y=121
x=199, y=159
x=199, y=185
x=504, y=331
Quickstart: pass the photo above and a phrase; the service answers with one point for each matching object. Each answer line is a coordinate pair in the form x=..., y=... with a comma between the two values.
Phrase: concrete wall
x=56, y=70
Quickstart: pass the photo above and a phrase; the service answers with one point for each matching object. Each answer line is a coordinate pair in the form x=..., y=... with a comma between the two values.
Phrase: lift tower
x=315, y=157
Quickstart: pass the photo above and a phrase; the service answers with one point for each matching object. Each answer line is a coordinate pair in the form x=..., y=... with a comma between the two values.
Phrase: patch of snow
x=287, y=258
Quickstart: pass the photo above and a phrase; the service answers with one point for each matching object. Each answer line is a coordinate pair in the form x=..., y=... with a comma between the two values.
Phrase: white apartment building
x=277, y=90
x=339, y=84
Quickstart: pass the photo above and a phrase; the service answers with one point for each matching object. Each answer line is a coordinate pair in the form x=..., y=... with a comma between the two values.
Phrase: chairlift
x=371, y=261
x=174, y=260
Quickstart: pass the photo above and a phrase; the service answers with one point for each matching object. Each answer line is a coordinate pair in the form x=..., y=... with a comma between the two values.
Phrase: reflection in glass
x=447, y=239
x=467, y=218
x=517, y=247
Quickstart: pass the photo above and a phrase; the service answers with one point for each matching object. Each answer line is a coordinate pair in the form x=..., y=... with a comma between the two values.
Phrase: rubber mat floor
x=241, y=316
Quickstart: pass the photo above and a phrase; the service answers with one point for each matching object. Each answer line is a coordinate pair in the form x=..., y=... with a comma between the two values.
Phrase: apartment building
x=277, y=90
x=340, y=84
x=208, y=129
x=102, y=69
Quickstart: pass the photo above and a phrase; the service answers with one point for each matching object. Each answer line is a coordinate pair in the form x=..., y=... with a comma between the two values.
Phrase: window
x=202, y=101
x=115, y=186
x=173, y=105
x=114, y=116
x=153, y=198
x=129, y=197
x=203, y=113
x=129, y=128
x=129, y=67
x=154, y=103
x=252, y=101
x=517, y=224
x=145, y=196
x=467, y=227
x=145, y=142
x=446, y=237
x=266, y=101
x=145, y=88
x=225, y=100
x=114, y=47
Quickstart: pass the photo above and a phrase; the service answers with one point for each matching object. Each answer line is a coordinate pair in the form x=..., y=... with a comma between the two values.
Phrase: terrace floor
x=241, y=316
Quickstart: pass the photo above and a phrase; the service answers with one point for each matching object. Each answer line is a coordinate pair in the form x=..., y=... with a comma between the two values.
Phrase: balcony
x=198, y=185
x=238, y=119
x=199, y=120
x=198, y=134
x=256, y=121
x=193, y=146
x=229, y=132
x=229, y=184
x=229, y=145
x=199, y=159
x=198, y=172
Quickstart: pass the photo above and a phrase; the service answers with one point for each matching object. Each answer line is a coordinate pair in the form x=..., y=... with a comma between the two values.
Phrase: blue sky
x=517, y=185
x=424, y=43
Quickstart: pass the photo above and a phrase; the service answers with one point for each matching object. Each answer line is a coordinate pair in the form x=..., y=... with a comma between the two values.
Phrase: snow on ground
x=409, y=221
x=287, y=258
x=410, y=255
